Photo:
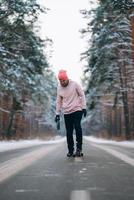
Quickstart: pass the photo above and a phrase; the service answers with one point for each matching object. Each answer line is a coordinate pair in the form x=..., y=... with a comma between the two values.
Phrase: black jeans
x=73, y=121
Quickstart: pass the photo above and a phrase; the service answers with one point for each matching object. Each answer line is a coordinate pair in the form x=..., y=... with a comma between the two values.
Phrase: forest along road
x=106, y=172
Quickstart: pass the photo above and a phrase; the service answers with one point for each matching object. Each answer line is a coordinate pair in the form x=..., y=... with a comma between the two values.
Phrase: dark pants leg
x=73, y=121
x=78, y=129
x=69, y=123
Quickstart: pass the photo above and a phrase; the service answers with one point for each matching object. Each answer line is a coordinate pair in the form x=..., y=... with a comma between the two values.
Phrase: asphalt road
x=106, y=172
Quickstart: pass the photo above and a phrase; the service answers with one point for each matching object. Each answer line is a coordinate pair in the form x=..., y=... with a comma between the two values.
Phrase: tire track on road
x=13, y=166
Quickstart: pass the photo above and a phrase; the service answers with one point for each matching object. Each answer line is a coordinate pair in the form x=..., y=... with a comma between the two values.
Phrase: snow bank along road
x=44, y=173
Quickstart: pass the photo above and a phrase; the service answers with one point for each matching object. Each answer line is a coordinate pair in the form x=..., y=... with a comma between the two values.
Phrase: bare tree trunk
x=9, y=128
x=123, y=82
x=15, y=106
x=126, y=115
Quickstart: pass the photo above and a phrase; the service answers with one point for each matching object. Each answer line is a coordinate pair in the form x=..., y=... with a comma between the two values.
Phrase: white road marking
x=84, y=169
x=117, y=154
x=23, y=190
x=80, y=195
x=81, y=171
x=13, y=166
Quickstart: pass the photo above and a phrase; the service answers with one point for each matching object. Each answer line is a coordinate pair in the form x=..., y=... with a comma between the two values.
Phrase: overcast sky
x=62, y=24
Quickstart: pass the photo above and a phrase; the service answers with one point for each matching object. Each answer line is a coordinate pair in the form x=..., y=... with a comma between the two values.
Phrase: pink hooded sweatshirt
x=70, y=98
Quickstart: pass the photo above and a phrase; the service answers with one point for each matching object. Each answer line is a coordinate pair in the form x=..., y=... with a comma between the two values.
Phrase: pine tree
x=110, y=60
x=23, y=63
x=123, y=6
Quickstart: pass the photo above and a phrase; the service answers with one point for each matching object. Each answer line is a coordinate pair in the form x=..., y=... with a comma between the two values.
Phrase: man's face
x=64, y=83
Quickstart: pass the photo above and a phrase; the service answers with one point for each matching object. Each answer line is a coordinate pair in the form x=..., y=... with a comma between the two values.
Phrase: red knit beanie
x=62, y=75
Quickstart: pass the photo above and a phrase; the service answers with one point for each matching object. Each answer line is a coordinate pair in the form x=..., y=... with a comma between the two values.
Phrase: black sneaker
x=78, y=153
x=70, y=154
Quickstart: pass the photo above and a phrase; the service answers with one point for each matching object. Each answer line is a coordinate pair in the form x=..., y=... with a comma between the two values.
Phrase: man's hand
x=84, y=112
x=57, y=118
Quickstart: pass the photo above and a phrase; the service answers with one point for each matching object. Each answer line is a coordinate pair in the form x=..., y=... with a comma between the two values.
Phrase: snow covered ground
x=10, y=145
x=103, y=141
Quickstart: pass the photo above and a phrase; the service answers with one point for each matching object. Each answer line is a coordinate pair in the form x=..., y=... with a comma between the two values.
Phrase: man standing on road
x=71, y=100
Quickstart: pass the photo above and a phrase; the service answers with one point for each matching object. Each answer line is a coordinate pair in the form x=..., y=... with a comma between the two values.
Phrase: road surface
x=106, y=172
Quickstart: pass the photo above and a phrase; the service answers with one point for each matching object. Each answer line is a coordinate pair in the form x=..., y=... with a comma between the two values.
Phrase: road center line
x=24, y=191
x=13, y=166
x=80, y=195
x=117, y=154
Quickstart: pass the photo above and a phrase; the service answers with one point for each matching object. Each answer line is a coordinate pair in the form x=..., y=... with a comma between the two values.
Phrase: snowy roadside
x=11, y=145
x=103, y=141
